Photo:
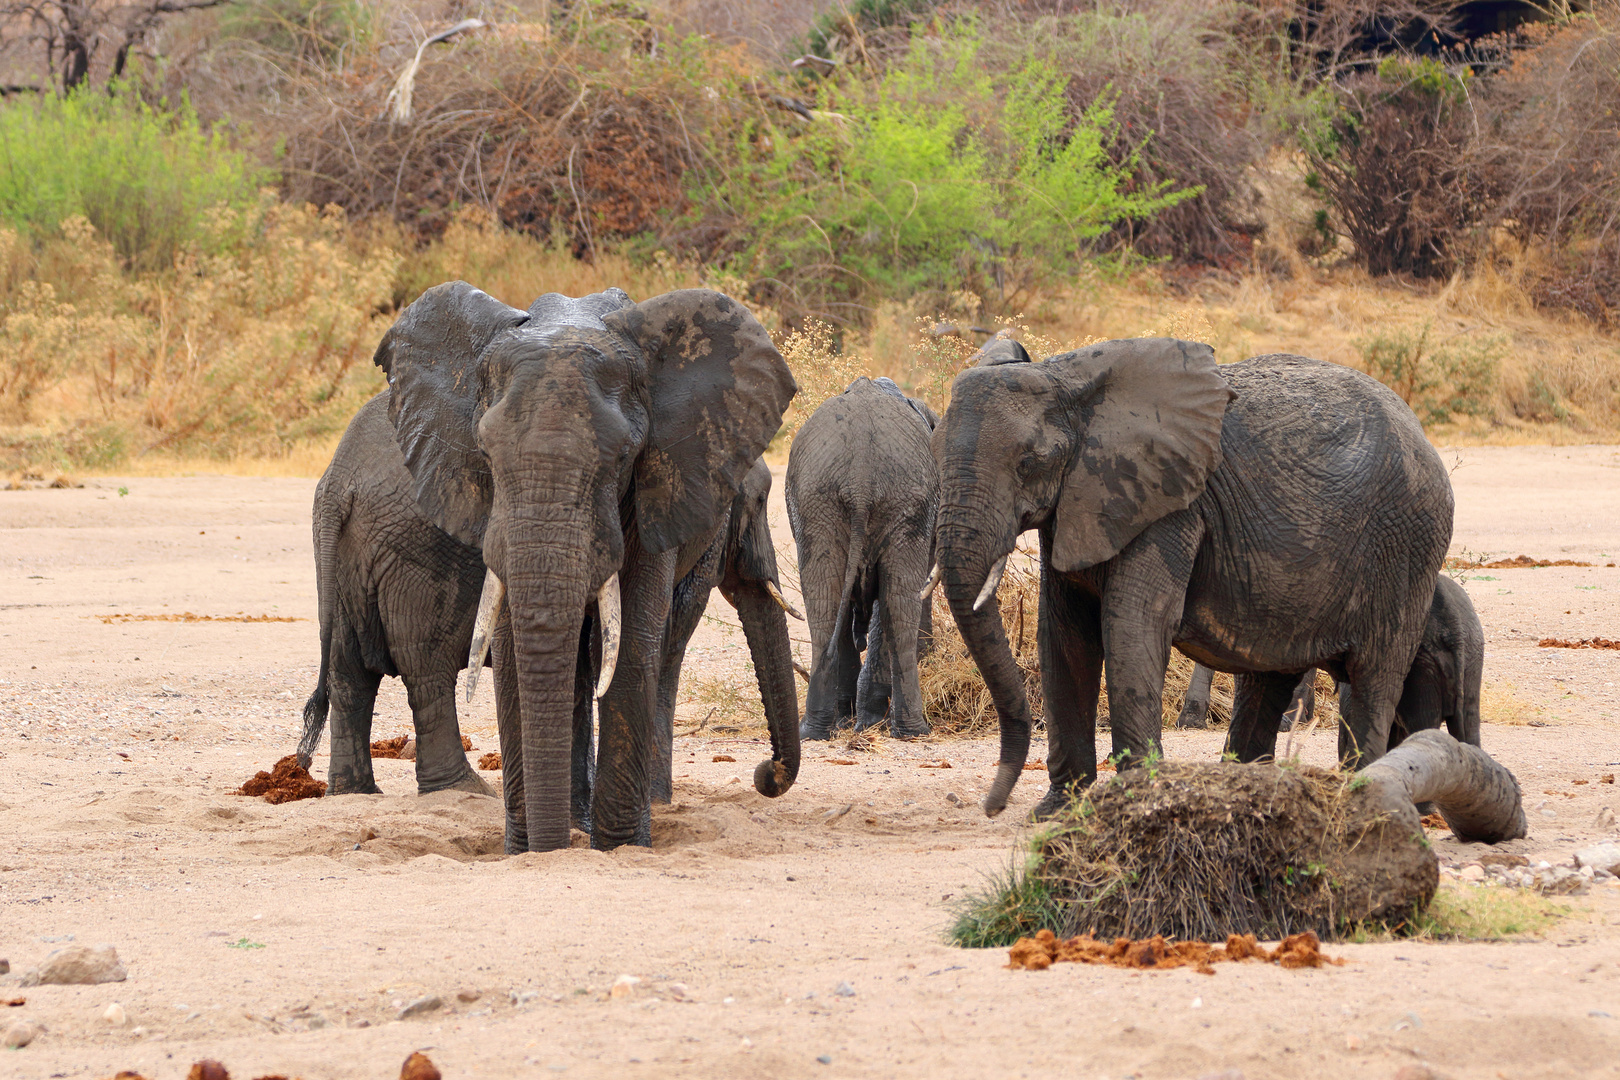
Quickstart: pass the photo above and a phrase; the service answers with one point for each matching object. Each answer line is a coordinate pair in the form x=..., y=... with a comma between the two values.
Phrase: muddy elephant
x=862, y=493
x=1262, y=517
x=396, y=596
x=588, y=448
x=1442, y=686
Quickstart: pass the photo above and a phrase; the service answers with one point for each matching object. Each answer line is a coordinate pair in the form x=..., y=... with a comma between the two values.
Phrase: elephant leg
x=1195, y=703
x=903, y=612
x=1068, y=639
x=1141, y=611
x=440, y=762
x=353, y=699
x=874, y=684
x=509, y=724
x=830, y=700
x=582, y=755
x=621, y=804
x=1368, y=711
x=1301, y=705
x=1258, y=702
x=685, y=613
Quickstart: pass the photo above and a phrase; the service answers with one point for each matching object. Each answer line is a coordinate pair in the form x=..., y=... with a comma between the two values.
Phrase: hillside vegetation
x=204, y=233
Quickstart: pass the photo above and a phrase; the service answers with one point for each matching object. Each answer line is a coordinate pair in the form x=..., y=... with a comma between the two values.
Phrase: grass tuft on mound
x=1200, y=852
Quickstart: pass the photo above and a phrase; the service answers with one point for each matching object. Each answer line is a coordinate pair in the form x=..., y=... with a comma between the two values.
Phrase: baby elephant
x=862, y=494
x=1442, y=686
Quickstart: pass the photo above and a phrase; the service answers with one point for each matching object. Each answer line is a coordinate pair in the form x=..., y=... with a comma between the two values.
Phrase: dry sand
x=287, y=939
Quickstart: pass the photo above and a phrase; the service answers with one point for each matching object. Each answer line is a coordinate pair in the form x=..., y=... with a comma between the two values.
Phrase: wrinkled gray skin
x=1263, y=517
x=397, y=596
x=1441, y=688
x=576, y=441
x=862, y=493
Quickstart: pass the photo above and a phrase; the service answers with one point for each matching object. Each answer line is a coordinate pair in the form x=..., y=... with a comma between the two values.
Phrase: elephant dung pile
x=287, y=782
x=1046, y=948
x=1205, y=851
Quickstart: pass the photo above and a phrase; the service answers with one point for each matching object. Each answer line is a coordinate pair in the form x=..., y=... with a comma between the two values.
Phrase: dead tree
x=68, y=36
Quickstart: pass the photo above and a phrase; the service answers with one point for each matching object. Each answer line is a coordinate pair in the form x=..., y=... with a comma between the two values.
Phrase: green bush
x=908, y=176
x=1439, y=380
x=142, y=174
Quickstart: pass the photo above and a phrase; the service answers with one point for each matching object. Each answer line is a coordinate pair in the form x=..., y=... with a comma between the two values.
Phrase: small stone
x=953, y=798
x=422, y=1006
x=624, y=986
x=1605, y=857
x=5, y=967
x=418, y=1067
x=1472, y=872
x=19, y=1034
x=115, y=1015
x=844, y=990
x=1197, y=1003
x=208, y=1069
x=758, y=819
x=1352, y=1043
x=523, y=997
x=824, y=1059
x=1605, y=818
x=678, y=991
x=317, y=1022
x=467, y=997
x=747, y=1043
x=78, y=965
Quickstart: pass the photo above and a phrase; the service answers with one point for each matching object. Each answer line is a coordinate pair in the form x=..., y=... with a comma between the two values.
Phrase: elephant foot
x=1192, y=723
x=1056, y=799
x=471, y=783
x=339, y=787
x=817, y=732
x=910, y=731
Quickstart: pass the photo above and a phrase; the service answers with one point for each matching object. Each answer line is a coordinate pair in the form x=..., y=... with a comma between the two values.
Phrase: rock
x=1472, y=872
x=422, y=1006
x=1605, y=857
x=418, y=1067
x=19, y=1034
x=953, y=798
x=208, y=1069
x=624, y=986
x=824, y=1059
x=844, y=990
x=523, y=997
x=115, y=1015
x=677, y=990
x=79, y=965
x=467, y=997
x=5, y=967
x=1605, y=818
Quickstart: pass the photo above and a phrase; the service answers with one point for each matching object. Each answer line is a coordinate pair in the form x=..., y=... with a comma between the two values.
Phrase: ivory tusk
x=607, y=607
x=933, y=583
x=776, y=594
x=991, y=581
x=489, y=607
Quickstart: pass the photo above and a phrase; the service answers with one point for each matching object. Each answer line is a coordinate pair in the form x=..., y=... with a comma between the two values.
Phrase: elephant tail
x=854, y=559
x=328, y=526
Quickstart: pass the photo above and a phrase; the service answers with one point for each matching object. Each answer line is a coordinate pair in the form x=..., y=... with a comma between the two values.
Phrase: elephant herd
x=554, y=493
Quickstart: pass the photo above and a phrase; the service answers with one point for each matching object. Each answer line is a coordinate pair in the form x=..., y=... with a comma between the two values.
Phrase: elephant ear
x=718, y=388
x=435, y=380
x=1150, y=411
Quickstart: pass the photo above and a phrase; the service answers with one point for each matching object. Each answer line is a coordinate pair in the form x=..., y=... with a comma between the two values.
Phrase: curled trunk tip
x=1007, y=773
x=773, y=778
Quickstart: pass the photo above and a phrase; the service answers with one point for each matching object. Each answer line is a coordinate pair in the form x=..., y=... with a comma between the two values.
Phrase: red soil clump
x=287, y=782
x=1518, y=562
x=403, y=747
x=1046, y=948
x=490, y=762
x=1583, y=643
x=418, y=1067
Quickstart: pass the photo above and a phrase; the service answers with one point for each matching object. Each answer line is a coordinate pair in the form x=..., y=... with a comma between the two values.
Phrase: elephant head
x=1090, y=447
x=557, y=440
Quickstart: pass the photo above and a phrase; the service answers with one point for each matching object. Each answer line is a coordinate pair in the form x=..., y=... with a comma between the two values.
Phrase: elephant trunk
x=765, y=625
x=547, y=588
x=968, y=557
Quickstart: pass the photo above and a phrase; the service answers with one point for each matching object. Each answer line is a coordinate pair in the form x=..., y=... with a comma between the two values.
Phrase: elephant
x=1442, y=686
x=1263, y=517
x=589, y=449
x=862, y=492
x=397, y=596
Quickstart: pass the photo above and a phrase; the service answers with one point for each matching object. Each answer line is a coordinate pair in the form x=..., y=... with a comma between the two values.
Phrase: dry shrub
x=581, y=129
x=251, y=350
x=1201, y=851
x=820, y=366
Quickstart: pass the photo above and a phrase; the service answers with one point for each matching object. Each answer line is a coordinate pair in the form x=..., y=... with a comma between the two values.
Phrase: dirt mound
x=1046, y=948
x=1201, y=852
x=1583, y=643
x=490, y=762
x=287, y=782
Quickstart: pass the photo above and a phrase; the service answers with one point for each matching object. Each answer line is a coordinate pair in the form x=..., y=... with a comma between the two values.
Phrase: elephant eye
x=1028, y=465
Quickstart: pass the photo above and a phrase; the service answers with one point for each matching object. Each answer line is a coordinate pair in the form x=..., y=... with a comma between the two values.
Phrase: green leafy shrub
x=142, y=174
x=1439, y=380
